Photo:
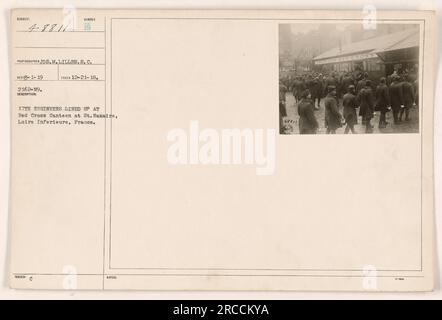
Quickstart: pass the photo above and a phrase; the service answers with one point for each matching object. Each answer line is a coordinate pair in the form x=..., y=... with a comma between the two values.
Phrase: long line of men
x=398, y=92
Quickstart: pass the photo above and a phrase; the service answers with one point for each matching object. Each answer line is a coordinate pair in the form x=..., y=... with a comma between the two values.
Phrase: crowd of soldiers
x=397, y=93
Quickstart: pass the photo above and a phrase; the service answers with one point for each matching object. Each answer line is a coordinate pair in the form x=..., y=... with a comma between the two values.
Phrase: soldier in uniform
x=350, y=106
x=307, y=120
x=294, y=88
x=322, y=82
x=299, y=87
x=366, y=101
x=361, y=83
x=396, y=97
x=316, y=92
x=347, y=81
x=382, y=102
x=330, y=81
x=416, y=92
x=282, y=109
x=408, y=99
x=308, y=83
x=332, y=116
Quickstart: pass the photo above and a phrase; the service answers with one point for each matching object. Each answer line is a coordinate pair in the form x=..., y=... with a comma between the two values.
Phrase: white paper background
x=6, y=5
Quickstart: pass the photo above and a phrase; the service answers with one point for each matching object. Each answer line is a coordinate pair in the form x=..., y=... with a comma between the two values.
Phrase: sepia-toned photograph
x=342, y=78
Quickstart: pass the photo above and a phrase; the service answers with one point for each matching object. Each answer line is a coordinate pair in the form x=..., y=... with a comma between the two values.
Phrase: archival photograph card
x=222, y=150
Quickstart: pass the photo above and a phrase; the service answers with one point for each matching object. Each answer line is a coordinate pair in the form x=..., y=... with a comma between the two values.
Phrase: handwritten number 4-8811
x=48, y=27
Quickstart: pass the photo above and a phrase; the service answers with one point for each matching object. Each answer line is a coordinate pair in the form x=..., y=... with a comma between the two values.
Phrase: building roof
x=392, y=41
x=408, y=42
